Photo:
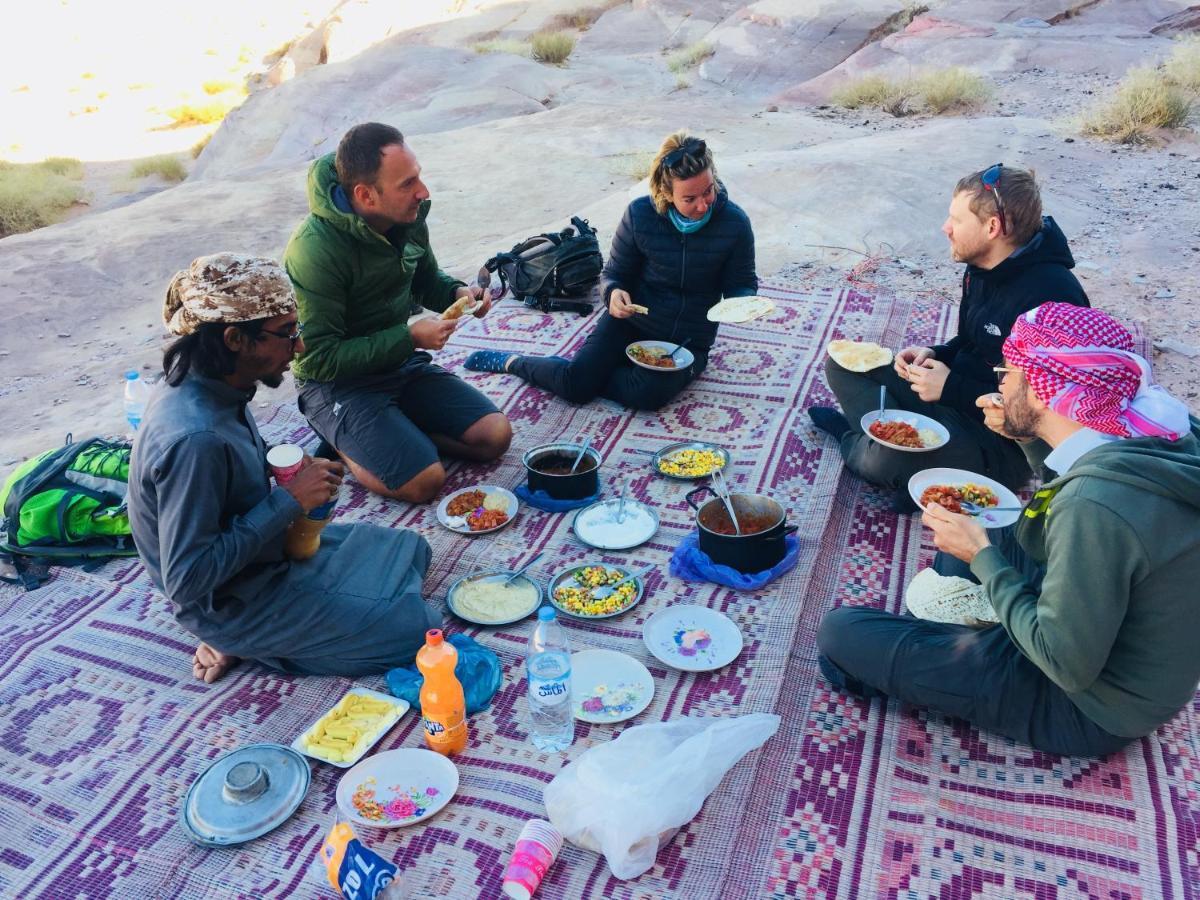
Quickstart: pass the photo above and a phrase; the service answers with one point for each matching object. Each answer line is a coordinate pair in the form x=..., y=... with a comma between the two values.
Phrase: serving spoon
x=604, y=591
x=503, y=578
x=587, y=443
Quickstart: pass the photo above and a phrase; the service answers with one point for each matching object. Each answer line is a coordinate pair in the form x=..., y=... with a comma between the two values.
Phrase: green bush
x=33, y=196
x=167, y=167
x=552, y=47
x=1143, y=101
x=690, y=57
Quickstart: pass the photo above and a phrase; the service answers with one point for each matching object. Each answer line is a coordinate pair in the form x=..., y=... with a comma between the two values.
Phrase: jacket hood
x=323, y=191
x=1047, y=246
x=1169, y=469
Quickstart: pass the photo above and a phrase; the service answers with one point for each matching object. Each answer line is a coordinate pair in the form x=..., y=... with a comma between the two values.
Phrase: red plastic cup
x=285, y=461
x=537, y=848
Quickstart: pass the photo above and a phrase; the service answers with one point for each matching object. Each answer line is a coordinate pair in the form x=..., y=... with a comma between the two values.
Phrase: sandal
x=488, y=361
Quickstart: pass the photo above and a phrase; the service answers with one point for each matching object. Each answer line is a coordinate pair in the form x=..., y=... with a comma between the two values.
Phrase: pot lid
x=598, y=526
x=245, y=794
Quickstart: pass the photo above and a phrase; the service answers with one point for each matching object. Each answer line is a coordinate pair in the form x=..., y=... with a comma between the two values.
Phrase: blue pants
x=976, y=674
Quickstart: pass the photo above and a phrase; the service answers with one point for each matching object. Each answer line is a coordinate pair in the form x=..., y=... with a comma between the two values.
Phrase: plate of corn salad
x=689, y=460
x=573, y=591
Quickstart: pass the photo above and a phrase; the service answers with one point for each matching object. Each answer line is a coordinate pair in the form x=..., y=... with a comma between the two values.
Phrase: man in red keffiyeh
x=1093, y=588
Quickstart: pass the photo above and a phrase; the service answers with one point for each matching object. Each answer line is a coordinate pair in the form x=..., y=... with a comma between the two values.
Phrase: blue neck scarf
x=687, y=226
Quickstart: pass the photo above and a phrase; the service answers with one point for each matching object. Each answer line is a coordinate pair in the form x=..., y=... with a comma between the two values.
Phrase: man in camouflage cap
x=210, y=526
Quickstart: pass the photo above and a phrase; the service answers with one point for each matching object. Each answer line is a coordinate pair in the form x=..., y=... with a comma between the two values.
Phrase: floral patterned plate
x=607, y=686
x=397, y=788
x=692, y=638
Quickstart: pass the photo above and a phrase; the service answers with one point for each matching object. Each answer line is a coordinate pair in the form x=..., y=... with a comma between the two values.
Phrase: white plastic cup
x=537, y=847
x=285, y=461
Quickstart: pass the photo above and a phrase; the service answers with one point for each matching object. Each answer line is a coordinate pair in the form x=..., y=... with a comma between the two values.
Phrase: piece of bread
x=948, y=598
x=859, y=356
x=741, y=309
x=637, y=308
x=461, y=307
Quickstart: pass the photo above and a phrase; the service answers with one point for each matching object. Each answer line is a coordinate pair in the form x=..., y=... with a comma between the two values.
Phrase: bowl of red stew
x=761, y=521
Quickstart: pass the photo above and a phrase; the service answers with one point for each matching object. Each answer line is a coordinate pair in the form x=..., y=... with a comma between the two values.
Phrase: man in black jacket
x=1016, y=260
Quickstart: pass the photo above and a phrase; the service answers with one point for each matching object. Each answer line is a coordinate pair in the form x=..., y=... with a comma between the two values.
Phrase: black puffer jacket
x=1040, y=272
x=679, y=276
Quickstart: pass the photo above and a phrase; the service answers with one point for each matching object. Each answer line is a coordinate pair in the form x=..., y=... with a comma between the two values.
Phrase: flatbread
x=461, y=307
x=947, y=598
x=741, y=309
x=859, y=356
x=639, y=309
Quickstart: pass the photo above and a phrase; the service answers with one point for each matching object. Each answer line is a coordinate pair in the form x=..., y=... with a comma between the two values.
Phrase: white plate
x=740, y=309
x=448, y=521
x=537, y=600
x=567, y=577
x=916, y=420
x=692, y=638
x=958, y=477
x=419, y=782
x=402, y=706
x=607, y=686
x=683, y=357
x=597, y=527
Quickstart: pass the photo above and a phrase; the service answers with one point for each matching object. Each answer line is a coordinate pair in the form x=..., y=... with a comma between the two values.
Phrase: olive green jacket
x=356, y=288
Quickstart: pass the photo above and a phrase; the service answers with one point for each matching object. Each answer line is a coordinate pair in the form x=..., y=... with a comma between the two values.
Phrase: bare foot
x=209, y=664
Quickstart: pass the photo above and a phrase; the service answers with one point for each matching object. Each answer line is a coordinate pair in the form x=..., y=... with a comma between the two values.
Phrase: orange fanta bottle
x=443, y=706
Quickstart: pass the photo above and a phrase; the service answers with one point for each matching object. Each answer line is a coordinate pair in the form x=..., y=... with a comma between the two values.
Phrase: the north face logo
x=992, y=328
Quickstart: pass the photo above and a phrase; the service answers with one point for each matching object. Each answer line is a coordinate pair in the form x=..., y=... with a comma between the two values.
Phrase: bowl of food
x=908, y=432
x=574, y=590
x=478, y=510
x=997, y=506
x=549, y=469
x=657, y=356
x=688, y=460
x=482, y=598
x=761, y=521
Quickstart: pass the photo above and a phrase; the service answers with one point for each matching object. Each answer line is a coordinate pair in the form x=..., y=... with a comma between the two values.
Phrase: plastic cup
x=537, y=848
x=303, y=538
x=285, y=461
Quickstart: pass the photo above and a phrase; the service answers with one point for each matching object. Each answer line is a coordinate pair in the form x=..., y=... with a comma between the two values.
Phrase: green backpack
x=69, y=503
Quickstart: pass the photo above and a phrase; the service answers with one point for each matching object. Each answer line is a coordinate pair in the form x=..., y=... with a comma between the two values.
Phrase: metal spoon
x=607, y=590
x=678, y=347
x=620, y=517
x=587, y=443
x=503, y=578
x=882, y=401
x=974, y=509
x=721, y=489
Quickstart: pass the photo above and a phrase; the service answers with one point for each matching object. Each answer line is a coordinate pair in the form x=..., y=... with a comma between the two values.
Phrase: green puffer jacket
x=356, y=288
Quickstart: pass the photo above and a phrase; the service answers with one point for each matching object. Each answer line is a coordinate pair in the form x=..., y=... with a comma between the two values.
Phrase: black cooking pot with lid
x=558, y=482
x=747, y=553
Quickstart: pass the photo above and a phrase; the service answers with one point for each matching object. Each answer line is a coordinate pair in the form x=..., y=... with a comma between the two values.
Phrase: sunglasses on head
x=694, y=148
x=991, y=182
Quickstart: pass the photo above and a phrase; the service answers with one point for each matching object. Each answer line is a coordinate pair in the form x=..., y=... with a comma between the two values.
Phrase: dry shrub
x=690, y=57
x=876, y=92
x=212, y=88
x=1182, y=68
x=502, y=45
x=1144, y=101
x=167, y=167
x=198, y=147
x=937, y=91
x=552, y=47
x=583, y=19
x=202, y=113
x=634, y=164
x=955, y=88
x=33, y=196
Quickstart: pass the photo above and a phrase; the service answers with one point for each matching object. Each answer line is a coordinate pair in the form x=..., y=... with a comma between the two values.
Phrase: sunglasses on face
x=991, y=182
x=693, y=148
x=293, y=337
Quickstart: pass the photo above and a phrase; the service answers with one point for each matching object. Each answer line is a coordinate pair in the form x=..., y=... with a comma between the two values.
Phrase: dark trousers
x=976, y=674
x=972, y=445
x=601, y=369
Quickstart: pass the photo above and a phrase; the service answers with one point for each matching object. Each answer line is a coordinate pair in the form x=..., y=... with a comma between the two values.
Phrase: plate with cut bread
x=858, y=356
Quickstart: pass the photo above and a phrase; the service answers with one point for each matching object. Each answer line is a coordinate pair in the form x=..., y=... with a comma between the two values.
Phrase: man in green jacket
x=362, y=264
x=1094, y=587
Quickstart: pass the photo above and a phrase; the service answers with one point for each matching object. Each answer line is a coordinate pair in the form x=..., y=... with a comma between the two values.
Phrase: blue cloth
x=543, y=501
x=691, y=563
x=478, y=670
x=687, y=226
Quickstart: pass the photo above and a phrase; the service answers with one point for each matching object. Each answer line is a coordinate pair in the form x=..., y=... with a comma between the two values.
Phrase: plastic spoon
x=678, y=347
x=587, y=443
x=882, y=401
x=607, y=590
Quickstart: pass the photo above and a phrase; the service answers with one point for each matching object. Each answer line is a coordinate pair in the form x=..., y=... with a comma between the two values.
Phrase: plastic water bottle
x=137, y=392
x=548, y=667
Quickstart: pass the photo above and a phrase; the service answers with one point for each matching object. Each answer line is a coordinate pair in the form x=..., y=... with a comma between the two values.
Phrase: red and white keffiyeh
x=1080, y=363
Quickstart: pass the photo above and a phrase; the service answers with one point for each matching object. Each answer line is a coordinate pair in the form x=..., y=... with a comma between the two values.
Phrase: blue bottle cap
x=546, y=614
x=132, y=375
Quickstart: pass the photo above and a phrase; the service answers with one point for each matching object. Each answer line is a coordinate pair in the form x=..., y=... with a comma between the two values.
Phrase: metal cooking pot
x=574, y=486
x=747, y=553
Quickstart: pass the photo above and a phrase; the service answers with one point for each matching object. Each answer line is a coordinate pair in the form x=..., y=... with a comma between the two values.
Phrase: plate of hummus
x=484, y=602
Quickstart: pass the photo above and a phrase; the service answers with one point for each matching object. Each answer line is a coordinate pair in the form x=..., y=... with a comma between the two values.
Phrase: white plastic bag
x=627, y=798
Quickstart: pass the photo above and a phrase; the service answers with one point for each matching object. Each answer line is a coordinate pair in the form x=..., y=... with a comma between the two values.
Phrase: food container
x=386, y=720
x=475, y=618
x=563, y=485
x=566, y=578
x=747, y=553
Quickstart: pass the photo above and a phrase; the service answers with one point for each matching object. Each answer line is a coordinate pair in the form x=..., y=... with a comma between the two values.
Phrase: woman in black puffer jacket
x=676, y=253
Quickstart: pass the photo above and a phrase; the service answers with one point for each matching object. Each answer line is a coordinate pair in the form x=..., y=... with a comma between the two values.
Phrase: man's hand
x=960, y=536
x=477, y=294
x=910, y=356
x=316, y=484
x=928, y=379
x=620, y=304
x=993, y=415
x=431, y=333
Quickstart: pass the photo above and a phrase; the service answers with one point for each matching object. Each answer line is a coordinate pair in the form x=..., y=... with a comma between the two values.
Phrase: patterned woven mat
x=102, y=729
